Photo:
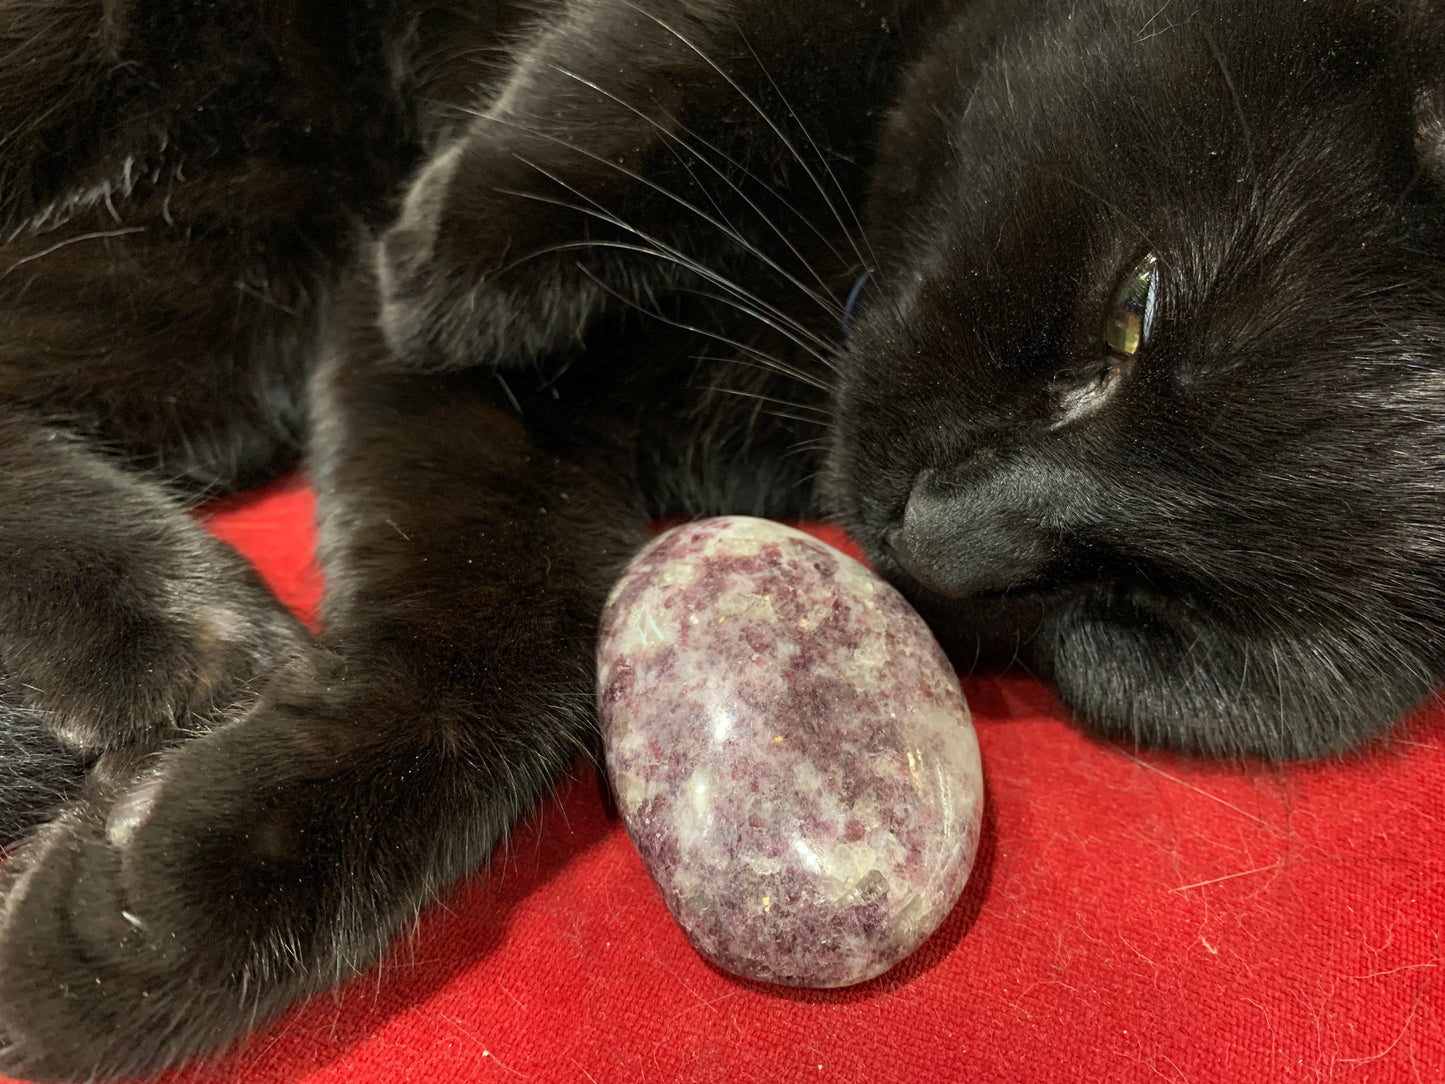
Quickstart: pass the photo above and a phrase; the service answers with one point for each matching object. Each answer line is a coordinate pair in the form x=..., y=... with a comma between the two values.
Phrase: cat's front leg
x=467, y=563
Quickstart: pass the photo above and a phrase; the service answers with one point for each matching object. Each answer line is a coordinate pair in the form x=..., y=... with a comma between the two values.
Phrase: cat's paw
x=148, y=653
x=162, y=918
x=124, y=625
x=129, y=659
x=490, y=262
x=63, y=926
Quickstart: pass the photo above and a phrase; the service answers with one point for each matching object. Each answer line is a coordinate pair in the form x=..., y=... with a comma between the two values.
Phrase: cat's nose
x=964, y=538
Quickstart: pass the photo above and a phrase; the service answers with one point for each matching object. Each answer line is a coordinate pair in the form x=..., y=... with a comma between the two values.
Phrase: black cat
x=1113, y=331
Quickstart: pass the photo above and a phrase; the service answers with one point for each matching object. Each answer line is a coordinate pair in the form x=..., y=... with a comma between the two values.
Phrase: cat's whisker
x=872, y=259
x=828, y=303
x=1127, y=221
x=1234, y=99
x=673, y=138
x=782, y=324
x=768, y=412
x=812, y=408
x=98, y=235
x=743, y=171
x=758, y=109
x=764, y=360
x=811, y=446
x=823, y=344
x=764, y=402
x=659, y=249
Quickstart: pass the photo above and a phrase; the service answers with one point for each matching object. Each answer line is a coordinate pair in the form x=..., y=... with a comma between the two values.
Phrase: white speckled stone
x=790, y=752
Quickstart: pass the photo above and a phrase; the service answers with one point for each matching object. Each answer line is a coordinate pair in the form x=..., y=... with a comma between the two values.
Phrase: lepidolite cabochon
x=790, y=751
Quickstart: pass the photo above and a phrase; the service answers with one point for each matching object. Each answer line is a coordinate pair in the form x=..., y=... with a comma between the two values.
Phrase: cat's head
x=1149, y=383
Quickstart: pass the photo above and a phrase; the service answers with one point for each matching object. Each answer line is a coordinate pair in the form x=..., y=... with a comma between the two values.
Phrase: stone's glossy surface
x=790, y=752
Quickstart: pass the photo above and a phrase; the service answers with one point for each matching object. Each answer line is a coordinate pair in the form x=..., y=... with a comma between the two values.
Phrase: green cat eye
x=1132, y=316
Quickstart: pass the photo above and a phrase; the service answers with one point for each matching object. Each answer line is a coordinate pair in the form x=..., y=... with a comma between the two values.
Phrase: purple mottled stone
x=790, y=751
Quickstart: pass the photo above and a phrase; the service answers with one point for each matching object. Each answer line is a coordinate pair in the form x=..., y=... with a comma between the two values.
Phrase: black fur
x=616, y=289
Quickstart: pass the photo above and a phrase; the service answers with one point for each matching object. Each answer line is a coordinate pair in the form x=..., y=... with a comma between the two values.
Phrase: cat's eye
x=1086, y=387
x=1131, y=317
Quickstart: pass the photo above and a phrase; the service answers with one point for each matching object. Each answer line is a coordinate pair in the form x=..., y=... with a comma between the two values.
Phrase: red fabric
x=1130, y=918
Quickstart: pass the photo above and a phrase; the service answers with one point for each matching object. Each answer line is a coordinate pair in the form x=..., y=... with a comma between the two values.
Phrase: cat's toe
x=37, y=772
x=76, y=991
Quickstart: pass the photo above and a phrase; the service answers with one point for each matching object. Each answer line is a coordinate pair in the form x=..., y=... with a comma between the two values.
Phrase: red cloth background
x=1130, y=918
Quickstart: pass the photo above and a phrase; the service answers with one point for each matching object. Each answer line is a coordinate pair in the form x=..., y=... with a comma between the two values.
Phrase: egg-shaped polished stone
x=790, y=752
